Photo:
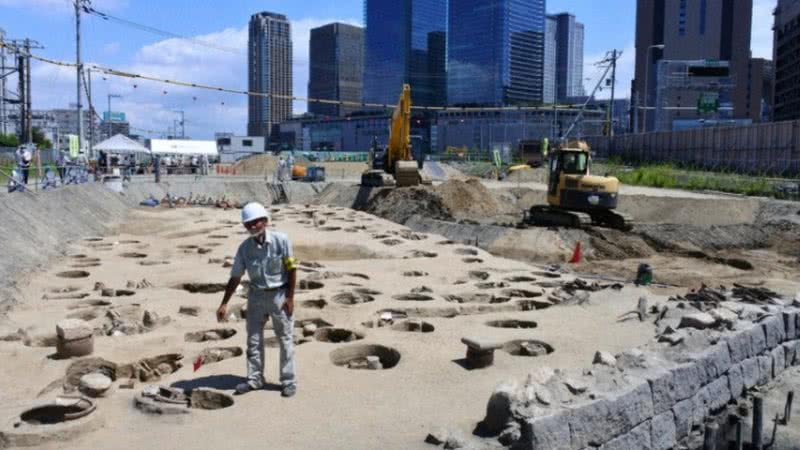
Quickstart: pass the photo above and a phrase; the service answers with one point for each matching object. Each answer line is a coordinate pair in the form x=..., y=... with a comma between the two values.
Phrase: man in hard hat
x=267, y=257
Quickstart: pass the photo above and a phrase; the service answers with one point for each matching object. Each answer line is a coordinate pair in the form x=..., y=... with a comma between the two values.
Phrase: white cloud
x=112, y=48
x=763, y=21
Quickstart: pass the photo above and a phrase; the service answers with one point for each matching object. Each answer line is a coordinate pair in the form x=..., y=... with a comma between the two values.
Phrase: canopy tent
x=119, y=144
x=183, y=147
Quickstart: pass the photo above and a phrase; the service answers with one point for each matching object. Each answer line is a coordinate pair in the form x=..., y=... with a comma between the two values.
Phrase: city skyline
x=150, y=105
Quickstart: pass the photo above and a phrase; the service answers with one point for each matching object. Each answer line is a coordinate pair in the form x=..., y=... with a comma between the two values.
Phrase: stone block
x=750, y=372
x=638, y=438
x=679, y=383
x=764, y=369
x=778, y=361
x=551, y=432
x=711, y=398
x=663, y=432
x=758, y=340
x=73, y=329
x=683, y=418
x=700, y=320
x=616, y=414
x=792, y=353
x=498, y=409
x=715, y=361
x=740, y=346
x=481, y=344
x=774, y=331
x=736, y=381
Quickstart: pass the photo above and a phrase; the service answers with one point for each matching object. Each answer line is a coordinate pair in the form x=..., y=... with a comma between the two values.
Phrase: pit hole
x=547, y=274
x=415, y=273
x=413, y=297
x=202, y=288
x=522, y=293
x=86, y=265
x=492, y=285
x=314, y=304
x=316, y=321
x=527, y=347
x=188, y=247
x=337, y=335
x=423, y=254
x=414, y=326
x=124, y=293
x=73, y=274
x=218, y=334
x=308, y=285
x=355, y=357
x=520, y=279
x=79, y=256
x=129, y=241
x=472, y=260
x=476, y=298
x=217, y=354
x=352, y=298
x=466, y=251
x=217, y=236
x=479, y=275
x=512, y=323
x=272, y=341
x=391, y=242
x=209, y=399
x=65, y=290
x=366, y=291
x=330, y=228
x=93, y=239
x=153, y=263
x=53, y=414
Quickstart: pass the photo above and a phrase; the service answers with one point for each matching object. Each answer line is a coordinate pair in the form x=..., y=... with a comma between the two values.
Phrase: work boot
x=289, y=391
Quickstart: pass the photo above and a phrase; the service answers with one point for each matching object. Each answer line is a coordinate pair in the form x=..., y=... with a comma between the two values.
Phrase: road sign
x=708, y=102
x=113, y=116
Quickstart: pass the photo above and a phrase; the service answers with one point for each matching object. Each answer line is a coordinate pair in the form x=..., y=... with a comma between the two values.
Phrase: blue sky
x=150, y=105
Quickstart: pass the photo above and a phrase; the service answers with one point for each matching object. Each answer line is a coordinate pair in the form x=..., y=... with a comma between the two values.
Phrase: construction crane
x=395, y=164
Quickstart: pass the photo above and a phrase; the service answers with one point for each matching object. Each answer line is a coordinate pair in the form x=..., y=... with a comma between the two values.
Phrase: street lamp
x=646, y=76
x=108, y=119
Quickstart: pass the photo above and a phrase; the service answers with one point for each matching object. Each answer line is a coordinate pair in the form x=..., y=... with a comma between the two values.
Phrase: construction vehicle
x=575, y=197
x=395, y=164
x=308, y=174
x=530, y=151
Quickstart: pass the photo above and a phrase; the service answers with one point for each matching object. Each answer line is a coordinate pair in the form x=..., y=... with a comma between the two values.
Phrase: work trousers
x=260, y=304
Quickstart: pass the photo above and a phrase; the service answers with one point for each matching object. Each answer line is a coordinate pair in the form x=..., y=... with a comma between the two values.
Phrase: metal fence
x=769, y=148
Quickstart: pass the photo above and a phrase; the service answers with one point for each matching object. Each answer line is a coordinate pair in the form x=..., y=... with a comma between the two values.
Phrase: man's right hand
x=222, y=312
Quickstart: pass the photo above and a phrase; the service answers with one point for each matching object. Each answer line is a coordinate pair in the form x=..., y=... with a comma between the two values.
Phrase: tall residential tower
x=569, y=57
x=336, y=54
x=269, y=72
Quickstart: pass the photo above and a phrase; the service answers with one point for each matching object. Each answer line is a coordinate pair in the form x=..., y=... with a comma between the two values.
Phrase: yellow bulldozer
x=394, y=165
x=575, y=197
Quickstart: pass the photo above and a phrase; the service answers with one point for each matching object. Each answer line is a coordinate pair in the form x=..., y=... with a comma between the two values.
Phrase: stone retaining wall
x=653, y=397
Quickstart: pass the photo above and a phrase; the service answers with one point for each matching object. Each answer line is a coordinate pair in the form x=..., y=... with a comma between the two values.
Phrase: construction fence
x=760, y=149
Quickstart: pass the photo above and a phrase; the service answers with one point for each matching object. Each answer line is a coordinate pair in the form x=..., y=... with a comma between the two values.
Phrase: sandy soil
x=335, y=407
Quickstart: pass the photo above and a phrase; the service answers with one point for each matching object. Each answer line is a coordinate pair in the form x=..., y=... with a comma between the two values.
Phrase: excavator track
x=613, y=219
x=548, y=216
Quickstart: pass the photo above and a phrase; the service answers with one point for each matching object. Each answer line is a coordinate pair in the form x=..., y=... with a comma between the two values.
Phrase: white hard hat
x=253, y=211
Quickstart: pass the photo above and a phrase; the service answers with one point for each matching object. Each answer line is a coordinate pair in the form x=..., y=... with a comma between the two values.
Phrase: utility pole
x=3, y=115
x=29, y=119
x=23, y=114
x=613, y=86
x=79, y=65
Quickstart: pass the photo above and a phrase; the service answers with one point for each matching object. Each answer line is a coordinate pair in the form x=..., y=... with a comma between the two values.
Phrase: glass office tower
x=405, y=42
x=495, y=52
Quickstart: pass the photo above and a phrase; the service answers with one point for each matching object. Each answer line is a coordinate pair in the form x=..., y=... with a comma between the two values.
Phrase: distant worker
x=290, y=165
x=204, y=167
x=272, y=269
x=157, y=168
x=24, y=158
x=281, y=168
x=545, y=148
x=61, y=164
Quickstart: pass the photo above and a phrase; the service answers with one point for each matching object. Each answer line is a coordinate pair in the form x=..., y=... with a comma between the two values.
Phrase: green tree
x=8, y=140
x=41, y=142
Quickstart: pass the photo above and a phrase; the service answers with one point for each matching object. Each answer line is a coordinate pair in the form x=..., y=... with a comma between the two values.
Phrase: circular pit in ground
x=355, y=356
x=527, y=347
x=337, y=335
x=512, y=323
x=73, y=274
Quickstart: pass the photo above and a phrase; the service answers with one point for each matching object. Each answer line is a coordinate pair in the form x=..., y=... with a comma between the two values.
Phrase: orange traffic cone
x=576, y=255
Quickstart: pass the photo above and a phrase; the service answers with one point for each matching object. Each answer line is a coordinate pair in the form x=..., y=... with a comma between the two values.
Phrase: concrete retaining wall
x=660, y=403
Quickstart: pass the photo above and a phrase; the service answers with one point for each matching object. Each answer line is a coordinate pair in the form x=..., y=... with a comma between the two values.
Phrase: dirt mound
x=537, y=175
x=257, y=165
x=399, y=205
x=468, y=199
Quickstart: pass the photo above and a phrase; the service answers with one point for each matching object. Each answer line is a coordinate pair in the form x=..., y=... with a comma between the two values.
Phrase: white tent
x=183, y=147
x=120, y=144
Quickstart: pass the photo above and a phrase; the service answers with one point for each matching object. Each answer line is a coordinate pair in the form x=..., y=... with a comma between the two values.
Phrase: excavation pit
x=209, y=399
x=93, y=239
x=309, y=285
x=73, y=274
x=414, y=326
x=547, y=274
x=479, y=275
x=86, y=265
x=316, y=321
x=130, y=241
x=512, y=323
x=352, y=298
x=415, y=273
x=391, y=242
x=314, y=304
x=366, y=357
x=527, y=347
x=413, y=297
x=520, y=279
x=217, y=354
x=366, y=291
x=522, y=293
x=218, y=334
x=217, y=236
x=472, y=260
x=202, y=288
x=272, y=341
x=337, y=335
x=61, y=411
x=78, y=256
x=330, y=228
x=466, y=251
x=476, y=298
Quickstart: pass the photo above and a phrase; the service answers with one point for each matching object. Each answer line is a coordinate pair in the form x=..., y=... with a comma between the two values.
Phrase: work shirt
x=267, y=265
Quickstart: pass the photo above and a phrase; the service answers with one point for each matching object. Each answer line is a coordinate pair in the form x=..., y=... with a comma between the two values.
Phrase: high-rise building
x=496, y=52
x=691, y=30
x=786, y=58
x=405, y=42
x=569, y=56
x=269, y=72
x=549, y=69
x=336, y=54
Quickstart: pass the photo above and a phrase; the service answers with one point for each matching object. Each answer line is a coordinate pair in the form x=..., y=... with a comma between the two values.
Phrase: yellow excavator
x=395, y=164
x=575, y=197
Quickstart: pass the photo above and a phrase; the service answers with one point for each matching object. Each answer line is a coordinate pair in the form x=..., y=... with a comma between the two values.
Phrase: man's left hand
x=288, y=306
